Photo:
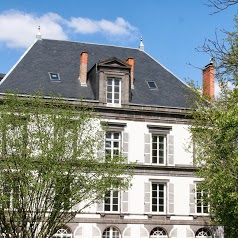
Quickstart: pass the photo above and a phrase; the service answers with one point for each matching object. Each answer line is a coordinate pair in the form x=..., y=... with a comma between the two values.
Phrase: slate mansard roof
x=31, y=73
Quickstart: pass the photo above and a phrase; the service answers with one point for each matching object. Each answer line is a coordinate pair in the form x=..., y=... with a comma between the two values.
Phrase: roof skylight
x=54, y=76
x=152, y=85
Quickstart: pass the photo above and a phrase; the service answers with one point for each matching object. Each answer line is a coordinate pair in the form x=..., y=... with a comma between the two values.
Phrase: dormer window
x=113, y=91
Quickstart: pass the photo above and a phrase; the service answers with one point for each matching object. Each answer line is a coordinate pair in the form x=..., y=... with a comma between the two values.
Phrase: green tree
x=214, y=132
x=50, y=163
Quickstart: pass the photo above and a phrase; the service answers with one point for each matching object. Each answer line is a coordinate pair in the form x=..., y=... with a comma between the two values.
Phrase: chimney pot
x=208, y=81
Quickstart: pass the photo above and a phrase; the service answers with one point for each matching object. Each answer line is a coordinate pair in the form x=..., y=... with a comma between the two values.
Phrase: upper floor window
x=158, y=149
x=159, y=146
x=111, y=201
x=113, y=144
x=158, y=197
x=201, y=203
x=114, y=91
x=198, y=200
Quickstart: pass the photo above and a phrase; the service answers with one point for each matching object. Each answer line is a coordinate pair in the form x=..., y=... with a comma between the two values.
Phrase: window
x=158, y=197
x=158, y=149
x=159, y=145
x=152, y=85
x=111, y=232
x=113, y=91
x=203, y=233
x=111, y=201
x=158, y=232
x=113, y=144
x=54, y=76
x=201, y=203
x=63, y=232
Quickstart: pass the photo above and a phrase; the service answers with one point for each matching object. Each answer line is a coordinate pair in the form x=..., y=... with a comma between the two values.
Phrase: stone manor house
x=147, y=111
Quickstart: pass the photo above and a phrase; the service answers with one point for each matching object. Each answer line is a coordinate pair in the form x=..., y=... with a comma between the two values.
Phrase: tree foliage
x=50, y=163
x=220, y=5
x=214, y=132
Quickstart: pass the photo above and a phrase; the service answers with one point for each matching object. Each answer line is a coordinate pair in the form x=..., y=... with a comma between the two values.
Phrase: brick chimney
x=208, y=81
x=131, y=62
x=83, y=69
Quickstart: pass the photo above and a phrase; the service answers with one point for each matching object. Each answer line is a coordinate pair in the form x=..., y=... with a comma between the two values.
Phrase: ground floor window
x=158, y=232
x=111, y=232
x=203, y=233
x=63, y=232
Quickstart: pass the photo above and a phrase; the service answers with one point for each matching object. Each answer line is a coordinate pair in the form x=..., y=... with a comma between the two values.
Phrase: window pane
x=109, y=81
x=116, y=82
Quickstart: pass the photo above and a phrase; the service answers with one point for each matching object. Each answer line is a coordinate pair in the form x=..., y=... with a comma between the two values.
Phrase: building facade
x=146, y=108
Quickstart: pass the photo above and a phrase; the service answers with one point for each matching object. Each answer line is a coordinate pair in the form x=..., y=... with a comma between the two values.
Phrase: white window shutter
x=124, y=202
x=143, y=233
x=147, y=149
x=170, y=150
x=189, y=233
x=75, y=207
x=125, y=146
x=101, y=149
x=96, y=232
x=192, y=198
x=79, y=232
x=171, y=198
x=174, y=234
x=127, y=233
x=100, y=206
x=147, y=197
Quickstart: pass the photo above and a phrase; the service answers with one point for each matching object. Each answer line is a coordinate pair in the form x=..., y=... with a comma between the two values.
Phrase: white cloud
x=218, y=91
x=18, y=29
x=119, y=27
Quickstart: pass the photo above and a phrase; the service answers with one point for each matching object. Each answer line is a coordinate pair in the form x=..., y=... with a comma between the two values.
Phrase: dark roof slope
x=32, y=73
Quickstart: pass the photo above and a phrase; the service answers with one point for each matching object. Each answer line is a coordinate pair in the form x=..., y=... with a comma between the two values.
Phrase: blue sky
x=171, y=29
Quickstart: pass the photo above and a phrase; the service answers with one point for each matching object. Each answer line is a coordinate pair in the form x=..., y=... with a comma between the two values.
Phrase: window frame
x=113, y=92
x=165, y=197
x=201, y=206
x=52, y=79
x=68, y=233
x=110, y=234
x=111, y=201
x=157, y=150
x=159, y=132
x=155, y=87
x=112, y=140
x=158, y=230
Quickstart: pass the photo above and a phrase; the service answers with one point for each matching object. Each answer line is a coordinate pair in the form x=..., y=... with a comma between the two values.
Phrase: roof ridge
x=91, y=43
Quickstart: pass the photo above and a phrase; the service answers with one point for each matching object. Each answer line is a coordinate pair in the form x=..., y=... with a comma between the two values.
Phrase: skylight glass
x=152, y=85
x=54, y=76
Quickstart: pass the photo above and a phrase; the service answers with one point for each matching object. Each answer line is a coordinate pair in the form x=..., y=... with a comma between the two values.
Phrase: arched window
x=158, y=232
x=63, y=232
x=203, y=233
x=111, y=232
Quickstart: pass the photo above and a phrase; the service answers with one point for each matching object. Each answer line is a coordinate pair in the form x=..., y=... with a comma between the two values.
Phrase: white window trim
x=113, y=92
x=111, y=203
x=202, y=206
x=165, y=183
x=165, y=141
